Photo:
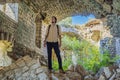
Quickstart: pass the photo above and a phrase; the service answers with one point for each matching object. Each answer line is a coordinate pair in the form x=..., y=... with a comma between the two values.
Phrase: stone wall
x=113, y=22
x=112, y=44
x=108, y=44
x=20, y=50
x=26, y=32
x=7, y=24
x=25, y=68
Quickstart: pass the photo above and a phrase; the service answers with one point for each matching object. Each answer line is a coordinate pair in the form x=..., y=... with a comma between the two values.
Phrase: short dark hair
x=55, y=18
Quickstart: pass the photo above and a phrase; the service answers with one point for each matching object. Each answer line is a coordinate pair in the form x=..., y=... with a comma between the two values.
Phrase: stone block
x=32, y=74
x=9, y=73
x=20, y=63
x=42, y=76
x=26, y=74
x=20, y=78
x=107, y=72
x=35, y=66
x=5, y=69
x=13, y=66
x=24, y=69
x=18, y=72
x=39, y=70
x=118, y=70
x=30, y=63
x=74, y=76
x=89, y=77
x=1, y=76
x=101, y=77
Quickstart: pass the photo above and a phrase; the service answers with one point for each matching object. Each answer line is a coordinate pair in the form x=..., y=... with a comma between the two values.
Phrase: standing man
x=53, y=40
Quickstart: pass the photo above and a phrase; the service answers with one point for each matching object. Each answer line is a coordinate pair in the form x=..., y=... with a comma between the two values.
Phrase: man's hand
x=59, y=44
x=60, y=40
x=44, y=43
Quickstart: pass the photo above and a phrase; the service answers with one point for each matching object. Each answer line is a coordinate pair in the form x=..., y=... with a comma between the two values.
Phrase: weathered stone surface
x=32, y=74
x=107, y=72
x=35, y=66
x=23, y=71
x=26, y=26
x=7, y=24
x=42, y=76
x=13, y=66
x=5, y=69
x=89, y=77
x=39, y=70
x=74, y=75
x=77, y=68
x=113, y=24
x=26, y=74
x=101, y=78
x=30, y=63
x=27, y=59
x=60, y=8
x=112, y=45
x=25, y=31
x=18, y=72
x=20, y=62
x=9, y=73
x=118, y=70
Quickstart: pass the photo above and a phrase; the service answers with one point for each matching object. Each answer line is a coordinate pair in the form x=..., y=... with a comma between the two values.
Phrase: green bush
x=88, y=55
x=65, y=64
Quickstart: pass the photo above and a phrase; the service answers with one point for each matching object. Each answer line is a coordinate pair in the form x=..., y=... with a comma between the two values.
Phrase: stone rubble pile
x=73, y=73
x=24, y=68
x=27, y=68
x=106, y=73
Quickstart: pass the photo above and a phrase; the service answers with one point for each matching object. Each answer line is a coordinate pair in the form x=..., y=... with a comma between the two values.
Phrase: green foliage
x=88, y=55
x=70, y=43
x=105, y=60
x=65, y=64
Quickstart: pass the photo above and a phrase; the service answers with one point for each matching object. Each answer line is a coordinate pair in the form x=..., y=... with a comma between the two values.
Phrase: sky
x=81, y=19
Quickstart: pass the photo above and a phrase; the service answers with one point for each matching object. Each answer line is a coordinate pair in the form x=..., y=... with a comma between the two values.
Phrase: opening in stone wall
x=81, y=43
x=10, y=9
x=81, y=36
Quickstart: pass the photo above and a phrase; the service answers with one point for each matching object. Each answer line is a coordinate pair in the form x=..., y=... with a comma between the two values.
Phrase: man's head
x=54, y=19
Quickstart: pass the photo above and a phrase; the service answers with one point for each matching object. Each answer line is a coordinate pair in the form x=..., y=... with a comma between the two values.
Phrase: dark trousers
x=55, y=46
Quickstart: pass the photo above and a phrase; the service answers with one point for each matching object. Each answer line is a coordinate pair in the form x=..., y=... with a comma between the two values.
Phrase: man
x=53, y=40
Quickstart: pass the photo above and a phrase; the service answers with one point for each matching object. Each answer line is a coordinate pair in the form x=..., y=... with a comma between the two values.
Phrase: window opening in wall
x=10, y=9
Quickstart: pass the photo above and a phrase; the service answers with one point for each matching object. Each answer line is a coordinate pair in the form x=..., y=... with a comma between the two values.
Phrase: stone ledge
x=24, y=68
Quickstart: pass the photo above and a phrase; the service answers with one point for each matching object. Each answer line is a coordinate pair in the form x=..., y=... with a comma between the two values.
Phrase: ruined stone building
x=22, y=23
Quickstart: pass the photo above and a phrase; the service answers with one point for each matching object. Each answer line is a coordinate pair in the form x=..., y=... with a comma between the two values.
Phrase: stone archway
x=61, y=9
x=108, y=9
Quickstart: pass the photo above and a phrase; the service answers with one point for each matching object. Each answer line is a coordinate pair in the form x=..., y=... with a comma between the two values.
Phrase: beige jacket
x=53, y=34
